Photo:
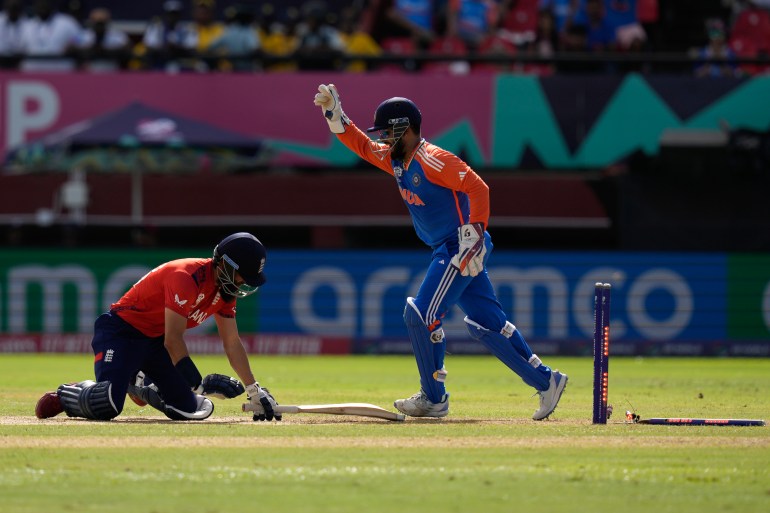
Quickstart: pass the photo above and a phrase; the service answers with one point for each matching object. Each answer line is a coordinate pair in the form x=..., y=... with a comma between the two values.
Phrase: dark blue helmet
x=395, y=110
x=241, y=252
x=392, y=119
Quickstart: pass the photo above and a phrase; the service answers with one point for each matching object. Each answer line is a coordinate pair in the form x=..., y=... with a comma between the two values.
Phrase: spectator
x=472, y=20
x=545, y=44
x=518, y=21
x=104, y=47
x=278, y=35
x=168, y=39
x=320, y=44
x=565, y=12
x=717, y=59
x=205, y=26
x=621, y=16
x=547, y=36
x=600, y=35
x=753, y=26
x=239, y=42
x=12, y=23
x=49, y=34
x=356, y=40
x=648, y=14
x=402, y=18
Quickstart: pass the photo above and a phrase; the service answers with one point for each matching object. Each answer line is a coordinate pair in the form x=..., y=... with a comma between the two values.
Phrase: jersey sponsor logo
x=411, y=198
x=198, y=316
x=179, y=301
x=398, y=171
x=216, y=299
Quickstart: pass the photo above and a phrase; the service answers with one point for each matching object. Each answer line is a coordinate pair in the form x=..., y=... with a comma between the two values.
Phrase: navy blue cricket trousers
x=121, y=350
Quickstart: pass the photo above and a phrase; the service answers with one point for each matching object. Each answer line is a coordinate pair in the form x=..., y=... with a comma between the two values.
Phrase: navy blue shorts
x=121, y=350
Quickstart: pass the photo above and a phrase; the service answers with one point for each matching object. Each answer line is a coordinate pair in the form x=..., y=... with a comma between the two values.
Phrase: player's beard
x=399, y=150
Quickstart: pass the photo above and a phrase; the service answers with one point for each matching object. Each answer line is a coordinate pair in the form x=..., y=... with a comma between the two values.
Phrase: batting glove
x=262, y=402
x=328, y=99
x=220, y=386
x=470, y=257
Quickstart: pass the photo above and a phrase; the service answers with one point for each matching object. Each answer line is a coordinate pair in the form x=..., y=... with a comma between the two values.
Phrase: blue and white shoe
x=420, y=406
x=550, y=398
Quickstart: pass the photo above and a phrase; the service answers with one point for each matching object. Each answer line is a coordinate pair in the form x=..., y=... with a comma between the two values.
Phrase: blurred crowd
x=455, y=36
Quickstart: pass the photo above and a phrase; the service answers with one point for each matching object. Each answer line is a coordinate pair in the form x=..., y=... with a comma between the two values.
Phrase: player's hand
x=220, y=386
x=470, y=257
x=262, y=402
x=328, y=99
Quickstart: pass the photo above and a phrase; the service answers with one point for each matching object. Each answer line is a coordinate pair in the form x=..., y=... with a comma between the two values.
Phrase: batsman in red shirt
x=139, y=344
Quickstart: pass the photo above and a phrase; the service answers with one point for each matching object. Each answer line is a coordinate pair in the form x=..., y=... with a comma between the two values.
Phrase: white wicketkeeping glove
x=328, y=99
x=262, y=402
x=470, y=258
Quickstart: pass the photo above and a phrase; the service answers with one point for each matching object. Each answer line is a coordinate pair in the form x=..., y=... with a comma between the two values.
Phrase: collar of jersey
x=408, y=161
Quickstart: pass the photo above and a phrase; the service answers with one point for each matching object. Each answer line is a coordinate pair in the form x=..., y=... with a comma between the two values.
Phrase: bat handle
x=247, y=407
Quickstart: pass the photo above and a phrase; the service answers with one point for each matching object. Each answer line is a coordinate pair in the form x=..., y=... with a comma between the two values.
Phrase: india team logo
x=416, y=180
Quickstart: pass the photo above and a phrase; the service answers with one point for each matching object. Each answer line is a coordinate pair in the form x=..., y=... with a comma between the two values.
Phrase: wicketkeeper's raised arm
x=349, y=134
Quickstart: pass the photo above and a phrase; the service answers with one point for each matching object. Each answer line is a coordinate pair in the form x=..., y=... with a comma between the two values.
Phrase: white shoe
x=550, y=398
x=420, y=406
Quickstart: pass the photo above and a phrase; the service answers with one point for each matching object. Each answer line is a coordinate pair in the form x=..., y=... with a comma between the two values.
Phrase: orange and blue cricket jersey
x=441, y=191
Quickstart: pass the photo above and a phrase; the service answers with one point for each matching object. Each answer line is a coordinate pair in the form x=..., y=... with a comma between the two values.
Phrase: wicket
x=601, y=350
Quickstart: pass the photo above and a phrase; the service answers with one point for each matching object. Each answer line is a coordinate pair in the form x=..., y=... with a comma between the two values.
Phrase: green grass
x=487, y=456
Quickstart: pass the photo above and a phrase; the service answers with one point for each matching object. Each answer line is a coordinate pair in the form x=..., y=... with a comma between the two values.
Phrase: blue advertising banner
x=548, y=295
x=317, y=302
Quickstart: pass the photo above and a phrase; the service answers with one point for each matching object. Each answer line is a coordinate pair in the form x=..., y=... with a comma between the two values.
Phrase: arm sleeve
x=360, y=144
x=478, y=193
x=458, y=176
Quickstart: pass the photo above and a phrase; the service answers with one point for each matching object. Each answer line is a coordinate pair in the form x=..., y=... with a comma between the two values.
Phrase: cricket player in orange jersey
x=139, y=344
x=449, y=206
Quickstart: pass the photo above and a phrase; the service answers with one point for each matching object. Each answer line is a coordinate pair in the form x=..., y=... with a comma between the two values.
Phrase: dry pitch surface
x=635, y=438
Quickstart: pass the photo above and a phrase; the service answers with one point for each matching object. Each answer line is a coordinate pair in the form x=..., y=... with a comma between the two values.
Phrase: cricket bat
x=357, y=409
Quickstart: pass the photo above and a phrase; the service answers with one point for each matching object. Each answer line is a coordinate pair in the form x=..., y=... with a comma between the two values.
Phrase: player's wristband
x=189, y=372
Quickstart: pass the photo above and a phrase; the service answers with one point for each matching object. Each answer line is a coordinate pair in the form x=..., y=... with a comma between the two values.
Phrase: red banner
x=274, y=106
